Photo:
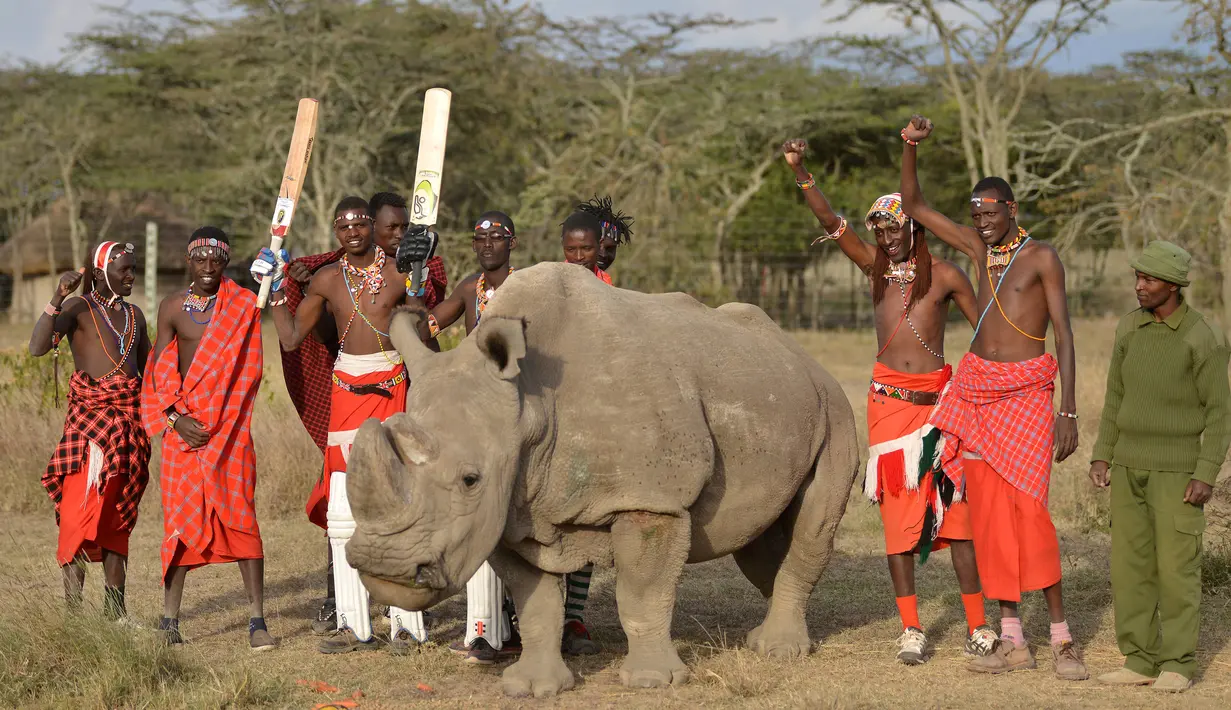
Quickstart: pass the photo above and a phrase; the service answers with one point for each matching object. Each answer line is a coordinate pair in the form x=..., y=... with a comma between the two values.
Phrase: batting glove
x=267, y=264
x=417, y=246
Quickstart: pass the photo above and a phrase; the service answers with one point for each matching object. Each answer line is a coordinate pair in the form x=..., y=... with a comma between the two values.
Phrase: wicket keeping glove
x=417, y=245
x=267, y=263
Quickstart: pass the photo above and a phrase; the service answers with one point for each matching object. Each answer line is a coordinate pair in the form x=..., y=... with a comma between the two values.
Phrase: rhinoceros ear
x=503, y=341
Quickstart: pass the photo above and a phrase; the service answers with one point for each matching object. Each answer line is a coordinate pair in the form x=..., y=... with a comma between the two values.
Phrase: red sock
x=908, y=609
x=973, y=603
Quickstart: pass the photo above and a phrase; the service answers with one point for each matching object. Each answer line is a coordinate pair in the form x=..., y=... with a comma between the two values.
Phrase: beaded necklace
x=482, y=294
x=355, y=291
x=370, y=277
x=903, y=273
x=124, y=339
x=1000, y=255
x=195, y=302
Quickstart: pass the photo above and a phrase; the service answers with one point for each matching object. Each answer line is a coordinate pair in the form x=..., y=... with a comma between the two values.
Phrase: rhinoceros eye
x=470, y=480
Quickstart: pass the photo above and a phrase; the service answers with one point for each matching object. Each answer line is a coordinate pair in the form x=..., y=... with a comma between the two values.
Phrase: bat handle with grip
x=416, y=276
x=275, y=243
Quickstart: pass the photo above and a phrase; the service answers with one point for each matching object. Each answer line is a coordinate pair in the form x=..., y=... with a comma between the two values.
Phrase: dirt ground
x=852, y=616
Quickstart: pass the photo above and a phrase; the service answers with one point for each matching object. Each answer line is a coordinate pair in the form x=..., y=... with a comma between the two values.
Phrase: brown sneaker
x=1172, y=682
x=344, y=641
x=1125, y=676
x=1005, y=657
x=1069, y=665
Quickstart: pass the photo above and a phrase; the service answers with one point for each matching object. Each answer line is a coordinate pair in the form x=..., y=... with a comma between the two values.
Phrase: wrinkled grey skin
x=583, y=423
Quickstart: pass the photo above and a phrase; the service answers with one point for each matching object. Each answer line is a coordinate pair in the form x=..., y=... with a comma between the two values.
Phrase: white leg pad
x=412, y=621
x=485, y=608
x=351, y=597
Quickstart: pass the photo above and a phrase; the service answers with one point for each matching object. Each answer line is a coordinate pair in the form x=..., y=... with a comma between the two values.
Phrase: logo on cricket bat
x=282, y=217
x=424, y=200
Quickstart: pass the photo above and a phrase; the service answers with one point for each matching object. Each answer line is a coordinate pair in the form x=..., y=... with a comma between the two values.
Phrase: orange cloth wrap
x=904, y=500
x=350, y=409
x=1016, y=548
x=89, y=522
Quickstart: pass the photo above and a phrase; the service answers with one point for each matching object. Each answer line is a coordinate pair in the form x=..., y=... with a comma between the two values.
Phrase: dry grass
x=49, y=660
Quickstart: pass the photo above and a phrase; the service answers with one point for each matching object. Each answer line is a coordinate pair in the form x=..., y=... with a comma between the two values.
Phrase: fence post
x=151, y=267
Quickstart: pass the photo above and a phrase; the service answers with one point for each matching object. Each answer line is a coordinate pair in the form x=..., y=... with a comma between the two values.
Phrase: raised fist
x=69, y=281
x=416, y=247
x=793, y=150
x=269, y=264
x=918, y=129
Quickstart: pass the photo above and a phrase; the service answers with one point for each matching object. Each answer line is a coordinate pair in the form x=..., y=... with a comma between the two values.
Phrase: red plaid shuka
x=308, y=368
x=107, y=413
x=1001, y=411
x=219, y=392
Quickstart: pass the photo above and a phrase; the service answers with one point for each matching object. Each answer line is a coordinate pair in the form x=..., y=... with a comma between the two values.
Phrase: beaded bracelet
x=171, y=419
x=1066, y=415
x=806, y=184
x=836, y=235
x=908, y=141
x=279, y=302
x=51, y=310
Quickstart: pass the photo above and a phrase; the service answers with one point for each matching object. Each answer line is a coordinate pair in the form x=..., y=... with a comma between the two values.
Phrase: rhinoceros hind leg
x=541, y=671
x=761, y=558
x=650, y=551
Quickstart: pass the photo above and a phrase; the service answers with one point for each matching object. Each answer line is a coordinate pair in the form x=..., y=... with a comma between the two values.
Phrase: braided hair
x=616, y=225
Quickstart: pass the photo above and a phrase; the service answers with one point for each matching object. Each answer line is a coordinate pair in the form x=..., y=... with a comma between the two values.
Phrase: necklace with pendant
x=903, y=273
x=999, y=256
x=370, y=277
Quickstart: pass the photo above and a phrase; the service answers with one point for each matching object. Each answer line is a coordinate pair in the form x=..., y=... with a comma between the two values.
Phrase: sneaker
x=478, y=653
x=512, y=647
x=259, y=638
x=1069, y=665
x=1004, y=658
x=980, y=642
x=910, y=646
x=576, y=640
x=326, y=621
x=1125, y=676
x=170, y=630
x=345, y=641
x=1172, y=682
x=403, y=643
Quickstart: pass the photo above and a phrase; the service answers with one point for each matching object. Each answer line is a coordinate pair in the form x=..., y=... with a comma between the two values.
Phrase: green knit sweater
x=1167, y=396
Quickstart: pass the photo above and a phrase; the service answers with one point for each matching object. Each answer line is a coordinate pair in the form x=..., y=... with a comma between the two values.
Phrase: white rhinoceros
x=583, y=423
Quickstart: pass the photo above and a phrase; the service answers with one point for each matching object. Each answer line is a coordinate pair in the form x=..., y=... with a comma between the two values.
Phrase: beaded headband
x=107, y=252
x=978, y=201
x=488, y=224
x=350, y=216
x=210, y=243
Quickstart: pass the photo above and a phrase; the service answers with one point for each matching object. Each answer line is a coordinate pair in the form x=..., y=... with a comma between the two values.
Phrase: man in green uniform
x=1162, y=439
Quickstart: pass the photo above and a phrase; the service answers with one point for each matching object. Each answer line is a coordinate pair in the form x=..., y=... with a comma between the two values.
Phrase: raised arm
x=1052, y=275
x=962, y=292
x=64, y=322
x=859, y=251
x=964, y=239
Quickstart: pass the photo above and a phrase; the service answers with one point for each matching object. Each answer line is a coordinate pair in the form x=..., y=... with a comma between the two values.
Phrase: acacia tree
x=992, y=53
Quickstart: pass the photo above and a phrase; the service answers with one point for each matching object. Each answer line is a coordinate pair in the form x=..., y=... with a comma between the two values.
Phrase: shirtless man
x=999, y=426
x=361, y=291
x=921, y=511
x=100, y=468
x=199, y=391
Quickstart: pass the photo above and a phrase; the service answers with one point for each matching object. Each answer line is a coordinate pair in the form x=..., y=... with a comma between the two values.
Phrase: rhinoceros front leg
x=650, y=551
x=540, y=611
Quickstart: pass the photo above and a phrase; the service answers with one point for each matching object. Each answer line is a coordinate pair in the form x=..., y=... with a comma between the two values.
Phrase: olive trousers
x=1155, y=570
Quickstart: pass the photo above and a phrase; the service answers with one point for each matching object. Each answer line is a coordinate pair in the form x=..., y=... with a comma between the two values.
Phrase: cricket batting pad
x=485, y=608
x=412, y=621
x=350, y=596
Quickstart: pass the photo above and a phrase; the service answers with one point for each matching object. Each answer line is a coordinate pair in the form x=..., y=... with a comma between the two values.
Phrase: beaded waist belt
x=366, y=389
x=924, y=399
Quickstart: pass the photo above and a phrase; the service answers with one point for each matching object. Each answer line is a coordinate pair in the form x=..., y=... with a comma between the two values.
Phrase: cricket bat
x=425, y=200
x=293, y=177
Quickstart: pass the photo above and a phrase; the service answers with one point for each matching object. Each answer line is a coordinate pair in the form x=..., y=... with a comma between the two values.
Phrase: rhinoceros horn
x=379, y=485
x=404, y=334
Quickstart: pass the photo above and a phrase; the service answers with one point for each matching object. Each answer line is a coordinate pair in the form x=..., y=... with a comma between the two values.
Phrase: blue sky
x=39, y=30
